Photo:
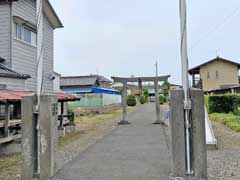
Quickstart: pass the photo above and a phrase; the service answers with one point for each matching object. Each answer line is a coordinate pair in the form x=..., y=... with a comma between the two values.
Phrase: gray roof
x=82, y=80
x=8, y=72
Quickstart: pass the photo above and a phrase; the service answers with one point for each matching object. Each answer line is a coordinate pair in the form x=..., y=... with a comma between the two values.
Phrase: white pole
x=156, y=66
x=185, y=82
x=39, y=75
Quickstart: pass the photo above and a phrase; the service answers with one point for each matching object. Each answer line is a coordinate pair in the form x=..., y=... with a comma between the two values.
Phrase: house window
x=208, y=75
x=26, y=35
x=18, y=31
x=217, y=74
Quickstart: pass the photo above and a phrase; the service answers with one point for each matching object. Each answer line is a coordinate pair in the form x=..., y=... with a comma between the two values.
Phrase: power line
x=217, y=27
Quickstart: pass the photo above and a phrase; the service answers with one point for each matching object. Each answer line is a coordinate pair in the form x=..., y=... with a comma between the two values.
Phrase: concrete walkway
x=130, y=152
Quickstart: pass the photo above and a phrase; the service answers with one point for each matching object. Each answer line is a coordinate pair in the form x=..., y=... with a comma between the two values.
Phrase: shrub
x=131, y=100
x=143, y=99
x=162, y=99
x=227, y=103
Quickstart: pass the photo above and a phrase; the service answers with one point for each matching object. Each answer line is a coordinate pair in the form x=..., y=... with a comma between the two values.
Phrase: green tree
x=146, y=94
x=162, y=99
x=166, y=87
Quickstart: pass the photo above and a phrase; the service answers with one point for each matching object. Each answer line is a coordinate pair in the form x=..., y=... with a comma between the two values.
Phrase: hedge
x=131, y=100
x=227, y=103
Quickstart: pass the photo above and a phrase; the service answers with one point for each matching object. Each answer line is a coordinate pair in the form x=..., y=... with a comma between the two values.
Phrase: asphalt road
x=130, y=152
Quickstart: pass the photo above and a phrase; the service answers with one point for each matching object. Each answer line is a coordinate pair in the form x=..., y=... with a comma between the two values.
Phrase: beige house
x=215, y=74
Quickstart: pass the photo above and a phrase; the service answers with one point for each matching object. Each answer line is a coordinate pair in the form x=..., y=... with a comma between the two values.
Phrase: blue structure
x=92, y=91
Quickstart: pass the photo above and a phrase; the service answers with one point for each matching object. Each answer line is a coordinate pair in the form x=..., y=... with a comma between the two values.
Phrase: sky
x=127, y=37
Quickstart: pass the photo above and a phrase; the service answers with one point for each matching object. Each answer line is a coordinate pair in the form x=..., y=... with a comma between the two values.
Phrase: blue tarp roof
x=93, y=90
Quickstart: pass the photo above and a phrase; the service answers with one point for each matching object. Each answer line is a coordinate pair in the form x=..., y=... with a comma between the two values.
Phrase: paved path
x=130, y=152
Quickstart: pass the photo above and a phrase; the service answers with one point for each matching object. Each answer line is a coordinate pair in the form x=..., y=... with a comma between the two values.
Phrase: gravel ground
x=224, y=163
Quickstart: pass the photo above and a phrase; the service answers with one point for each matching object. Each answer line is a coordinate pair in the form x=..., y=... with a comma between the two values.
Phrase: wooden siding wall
x=47, y=54
x=13, y=84
x=24, y=59
x=4, y=33
x=228, y=75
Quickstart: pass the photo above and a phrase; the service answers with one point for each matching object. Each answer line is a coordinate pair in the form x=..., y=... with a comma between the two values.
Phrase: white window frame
x=22, y=28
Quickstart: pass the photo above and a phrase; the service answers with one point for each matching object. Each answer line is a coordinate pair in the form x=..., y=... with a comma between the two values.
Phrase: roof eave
x=15, y=76
x=52, y=15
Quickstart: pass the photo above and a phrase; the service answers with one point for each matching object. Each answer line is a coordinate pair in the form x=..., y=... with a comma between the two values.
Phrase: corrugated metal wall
x=97, y=100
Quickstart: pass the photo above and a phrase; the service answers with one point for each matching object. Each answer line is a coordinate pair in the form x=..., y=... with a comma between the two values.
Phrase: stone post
x=28, y=137
x=124, y=105
x=199, y=146
x=177, y=133
x=140, y=87
x=48, y=127
x=198, y=139
x=158, y=118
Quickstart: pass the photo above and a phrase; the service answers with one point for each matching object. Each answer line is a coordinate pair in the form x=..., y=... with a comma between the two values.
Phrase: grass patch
x=230, y=120
x=10, y=166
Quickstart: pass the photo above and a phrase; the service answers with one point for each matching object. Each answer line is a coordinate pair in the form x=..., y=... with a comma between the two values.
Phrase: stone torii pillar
x=124, y=105
x=158, y=118
x=140, y=87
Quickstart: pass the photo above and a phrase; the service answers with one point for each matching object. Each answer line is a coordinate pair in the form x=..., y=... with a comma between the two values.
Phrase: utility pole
x=185, y=82
x=156, y=66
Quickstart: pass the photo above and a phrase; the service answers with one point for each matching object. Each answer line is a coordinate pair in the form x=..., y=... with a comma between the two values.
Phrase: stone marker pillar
x=158, y=118
x=140, y=87
x=48, y=136
x=124, y=105
x=48, y=127
x=199, y=146
x=177, y=133
x=198, y=140
x=28, y=137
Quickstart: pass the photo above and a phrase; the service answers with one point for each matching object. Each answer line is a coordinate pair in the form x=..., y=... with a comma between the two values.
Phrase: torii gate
x=139, y=80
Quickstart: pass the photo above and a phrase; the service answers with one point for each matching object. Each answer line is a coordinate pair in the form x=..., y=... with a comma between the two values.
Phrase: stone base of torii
x=139, y=80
